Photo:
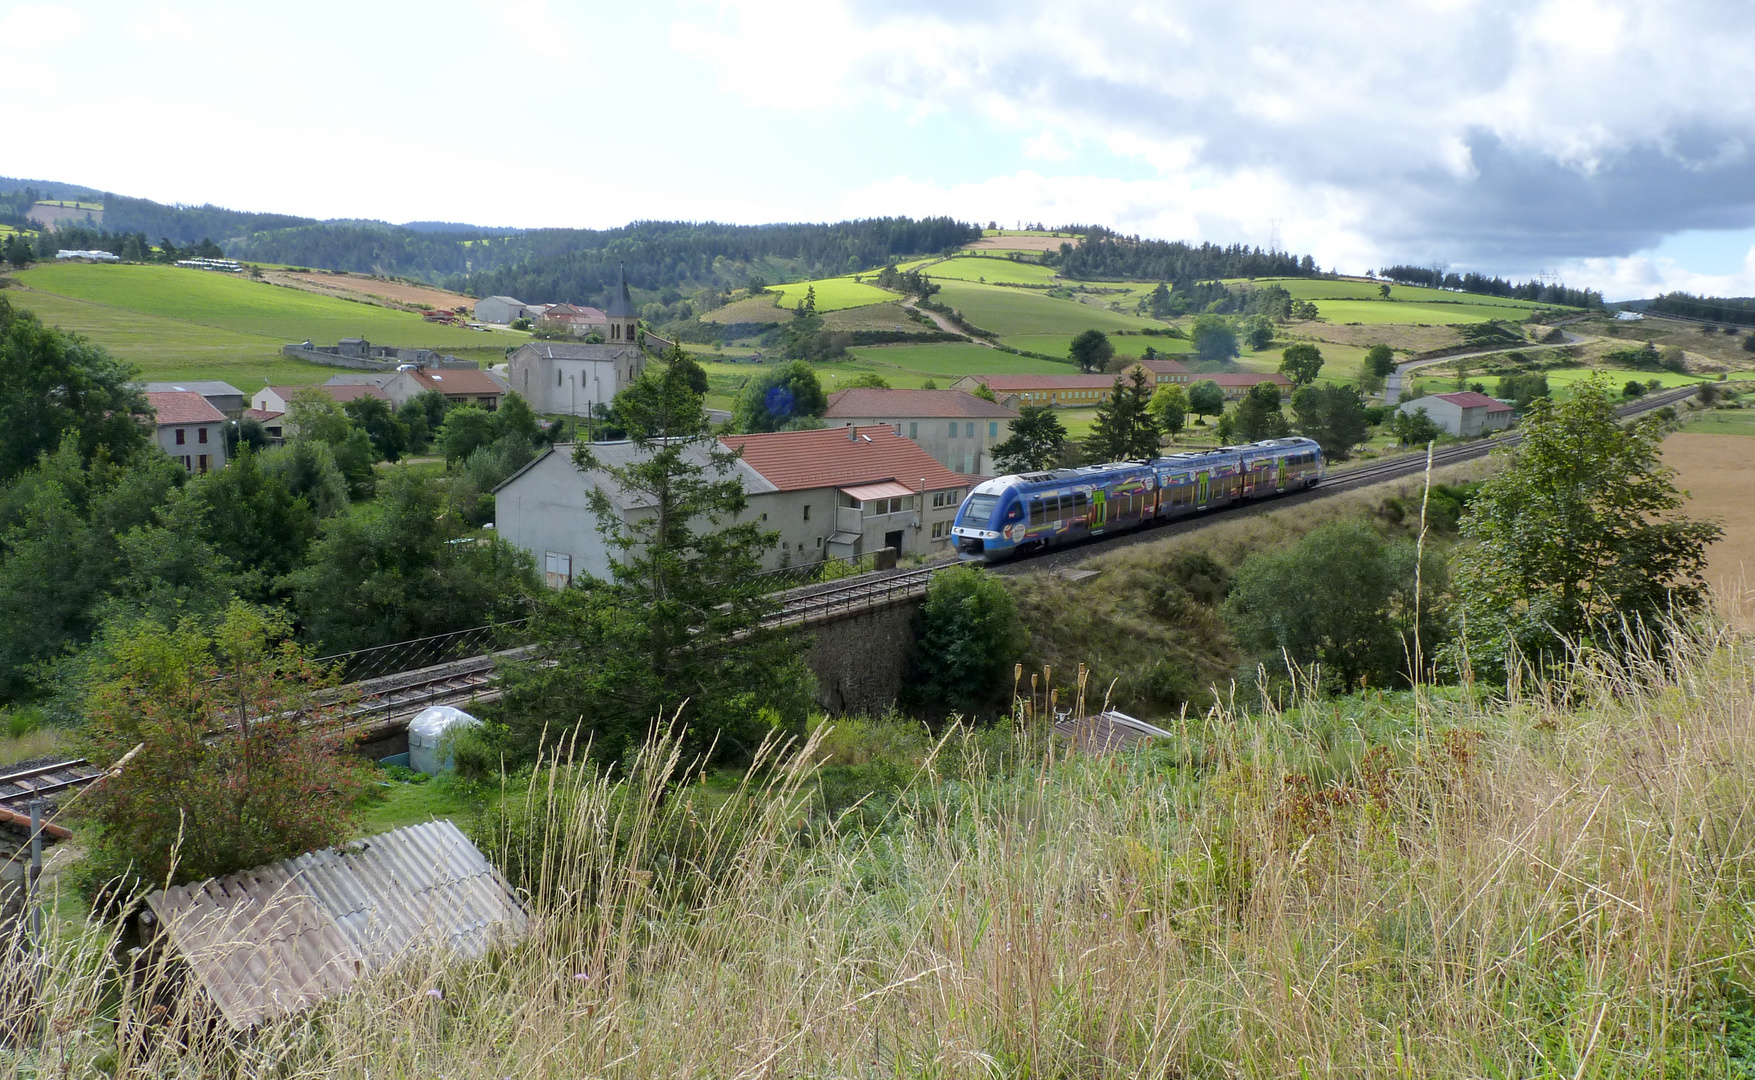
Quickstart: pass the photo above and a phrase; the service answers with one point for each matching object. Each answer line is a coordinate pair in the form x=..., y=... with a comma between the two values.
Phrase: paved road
x=1392, y=386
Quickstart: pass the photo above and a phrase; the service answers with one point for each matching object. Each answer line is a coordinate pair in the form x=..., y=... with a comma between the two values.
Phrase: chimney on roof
x=852, y=433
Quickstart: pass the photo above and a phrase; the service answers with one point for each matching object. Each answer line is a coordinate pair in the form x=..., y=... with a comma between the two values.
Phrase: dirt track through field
x=350, y=285
x=1717, y=473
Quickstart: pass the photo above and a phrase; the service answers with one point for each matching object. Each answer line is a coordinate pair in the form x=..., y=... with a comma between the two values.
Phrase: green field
x=1012, y=312
x=991, y=267
x=1378, y=312
x=190, y=324
x=833, y=294
x=1344, y=289
x=1723, y=422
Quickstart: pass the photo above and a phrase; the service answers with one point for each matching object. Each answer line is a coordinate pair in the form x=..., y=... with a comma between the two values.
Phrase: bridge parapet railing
x=401, y=656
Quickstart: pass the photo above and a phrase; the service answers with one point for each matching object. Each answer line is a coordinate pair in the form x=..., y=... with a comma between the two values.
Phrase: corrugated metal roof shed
x=270, y=941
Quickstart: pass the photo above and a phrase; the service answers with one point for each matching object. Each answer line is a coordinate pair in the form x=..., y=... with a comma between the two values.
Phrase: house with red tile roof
x=957, y=428
x=462, y=386
x=189, y=428
x=1464, y=413
x=833, y=492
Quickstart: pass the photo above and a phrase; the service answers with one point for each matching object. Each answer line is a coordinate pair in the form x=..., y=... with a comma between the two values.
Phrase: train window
x=979, y=509
x=1079, y=500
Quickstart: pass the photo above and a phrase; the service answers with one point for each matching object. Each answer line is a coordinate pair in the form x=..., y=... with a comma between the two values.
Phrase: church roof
x=621, y=302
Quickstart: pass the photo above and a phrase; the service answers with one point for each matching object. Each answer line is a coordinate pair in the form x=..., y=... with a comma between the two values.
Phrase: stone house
x=189, y=428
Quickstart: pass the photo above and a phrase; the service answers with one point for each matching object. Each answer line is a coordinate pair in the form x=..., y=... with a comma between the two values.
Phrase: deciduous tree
x=54, y=385
x=1206, y=398
x=240, y=763
x=1091, y=350
x=1341, y=599
x=1215, y=339
x=788, y=395
x=1169, y=408
x=1301, y=363
x=1579, y=537
x=967, y=636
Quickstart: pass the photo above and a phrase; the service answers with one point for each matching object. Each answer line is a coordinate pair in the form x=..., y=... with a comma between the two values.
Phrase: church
x=572, y=378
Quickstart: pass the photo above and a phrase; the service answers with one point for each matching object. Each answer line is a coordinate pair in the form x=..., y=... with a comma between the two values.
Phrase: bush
x=967, y=636
x=239, y=762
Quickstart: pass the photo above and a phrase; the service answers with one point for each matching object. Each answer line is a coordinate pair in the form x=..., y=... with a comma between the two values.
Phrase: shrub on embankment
x=1150, y=627
x=1554, y=885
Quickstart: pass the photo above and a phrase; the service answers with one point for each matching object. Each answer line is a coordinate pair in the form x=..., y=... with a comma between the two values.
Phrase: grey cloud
x=1379, y=90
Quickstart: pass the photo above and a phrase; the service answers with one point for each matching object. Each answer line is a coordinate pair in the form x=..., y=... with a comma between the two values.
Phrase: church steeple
x=624, y=321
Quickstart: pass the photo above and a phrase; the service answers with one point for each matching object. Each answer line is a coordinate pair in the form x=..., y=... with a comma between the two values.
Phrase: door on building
x=894, y=540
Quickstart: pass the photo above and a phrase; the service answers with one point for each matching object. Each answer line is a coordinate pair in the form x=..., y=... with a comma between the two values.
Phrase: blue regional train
x=1008, y=515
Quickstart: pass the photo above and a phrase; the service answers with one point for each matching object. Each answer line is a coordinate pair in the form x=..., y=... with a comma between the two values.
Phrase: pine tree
x=1124, y=428
x=678, y=631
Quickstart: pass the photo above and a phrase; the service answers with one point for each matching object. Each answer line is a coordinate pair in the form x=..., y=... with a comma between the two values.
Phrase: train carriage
x=1010, y=514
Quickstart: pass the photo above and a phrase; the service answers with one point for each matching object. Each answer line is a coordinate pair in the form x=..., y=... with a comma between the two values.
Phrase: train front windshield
x=978, y=511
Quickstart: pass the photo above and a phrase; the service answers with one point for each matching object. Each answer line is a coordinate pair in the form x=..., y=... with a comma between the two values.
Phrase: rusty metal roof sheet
x=267, y=942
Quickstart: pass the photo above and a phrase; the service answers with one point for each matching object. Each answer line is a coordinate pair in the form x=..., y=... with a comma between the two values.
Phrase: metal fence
x=400, y=656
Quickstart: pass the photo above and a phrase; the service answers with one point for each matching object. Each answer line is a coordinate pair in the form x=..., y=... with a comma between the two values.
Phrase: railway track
x=19, y=784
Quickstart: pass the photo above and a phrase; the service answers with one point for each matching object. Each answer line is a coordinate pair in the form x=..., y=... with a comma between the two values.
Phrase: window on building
x=914, y=429
x=819, y=542
x=200, y=435
x=969, y=430
x=557, y=569
x=993, y=429
x=968, y=463
x=201, y=463
x=807, y=511
x=557, y=376
x=181, y=439
x=953, y=429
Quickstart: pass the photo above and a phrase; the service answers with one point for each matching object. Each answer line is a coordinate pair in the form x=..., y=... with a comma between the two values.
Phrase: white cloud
x=1647, y=275
x=1045, y=147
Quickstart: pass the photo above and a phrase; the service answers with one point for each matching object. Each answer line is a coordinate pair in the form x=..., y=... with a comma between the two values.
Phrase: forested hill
x=188, y=224
x=1106, y=255
x=1538, y=291
x=577, y=266
x=1738, y=310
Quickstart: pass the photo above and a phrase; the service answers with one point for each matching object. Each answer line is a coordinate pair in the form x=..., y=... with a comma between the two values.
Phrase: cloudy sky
x=1612, y=141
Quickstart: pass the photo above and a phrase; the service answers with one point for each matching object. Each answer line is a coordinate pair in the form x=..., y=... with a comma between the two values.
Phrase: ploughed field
x=1714, y=469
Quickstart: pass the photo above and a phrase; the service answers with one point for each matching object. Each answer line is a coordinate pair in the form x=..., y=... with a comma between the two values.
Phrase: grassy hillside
x=1386, y=885
x=833, y=294
x=190, y=324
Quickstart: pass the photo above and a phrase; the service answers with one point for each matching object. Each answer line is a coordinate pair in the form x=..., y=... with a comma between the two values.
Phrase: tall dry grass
x=1555, y=885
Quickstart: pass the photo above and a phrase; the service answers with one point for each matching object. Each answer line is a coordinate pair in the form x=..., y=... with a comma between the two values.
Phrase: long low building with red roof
x=828, y=493
x=1088, y=391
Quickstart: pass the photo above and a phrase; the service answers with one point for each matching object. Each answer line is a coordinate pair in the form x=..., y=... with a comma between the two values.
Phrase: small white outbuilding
x=430, y=735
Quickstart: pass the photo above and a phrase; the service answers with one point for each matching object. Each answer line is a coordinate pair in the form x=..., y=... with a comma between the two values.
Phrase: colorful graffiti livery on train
x=1011, y=514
